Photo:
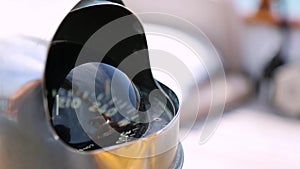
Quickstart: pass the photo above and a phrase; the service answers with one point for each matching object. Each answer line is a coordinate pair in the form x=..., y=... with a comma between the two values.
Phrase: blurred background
x=249, y=51
x=258, y=43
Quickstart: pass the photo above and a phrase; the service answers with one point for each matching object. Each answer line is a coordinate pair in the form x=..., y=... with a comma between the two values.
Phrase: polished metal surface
x=27, y=139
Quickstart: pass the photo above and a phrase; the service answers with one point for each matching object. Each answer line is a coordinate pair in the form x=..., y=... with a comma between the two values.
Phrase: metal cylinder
x=32, y=66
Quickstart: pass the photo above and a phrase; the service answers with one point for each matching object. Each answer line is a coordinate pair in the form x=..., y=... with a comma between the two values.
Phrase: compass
x=84, y=109
x=83, y=114
x=97, y=105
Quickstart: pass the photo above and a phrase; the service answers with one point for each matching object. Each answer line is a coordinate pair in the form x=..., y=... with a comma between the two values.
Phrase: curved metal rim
x=112, y=148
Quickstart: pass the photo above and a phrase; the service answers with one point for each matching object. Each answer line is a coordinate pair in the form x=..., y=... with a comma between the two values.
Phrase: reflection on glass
x=87, y=115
